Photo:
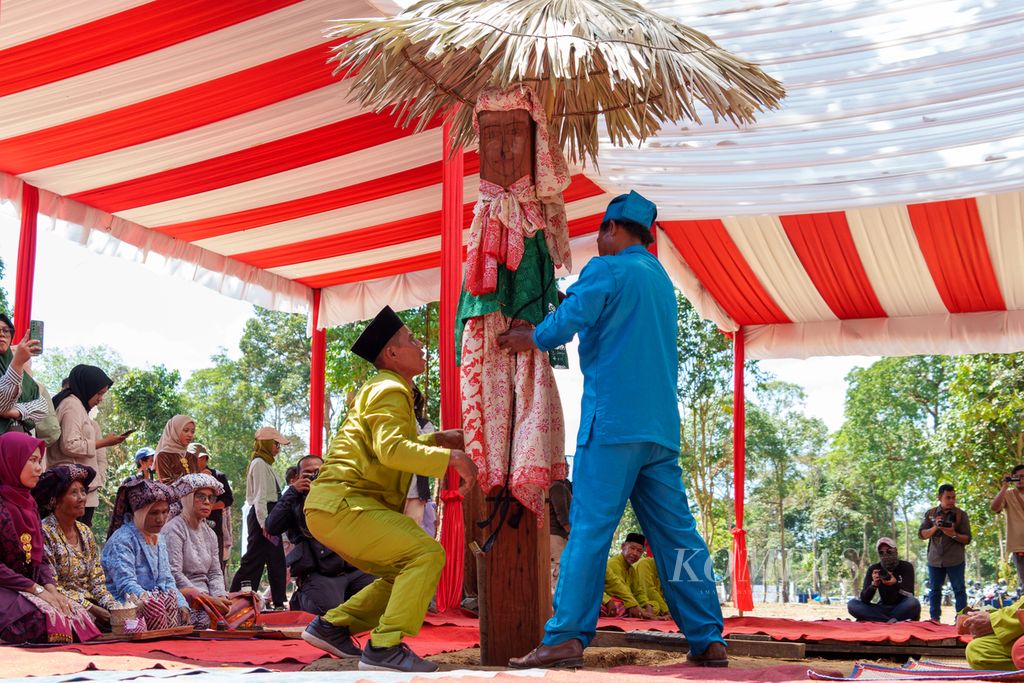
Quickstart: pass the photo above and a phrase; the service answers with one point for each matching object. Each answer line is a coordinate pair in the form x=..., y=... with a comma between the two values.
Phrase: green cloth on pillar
x=622, y=581
x=525, y=293
x=652, y=585
x=993, y=652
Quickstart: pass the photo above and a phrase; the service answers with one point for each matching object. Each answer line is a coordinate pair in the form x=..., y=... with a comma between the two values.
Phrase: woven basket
x=119, y=616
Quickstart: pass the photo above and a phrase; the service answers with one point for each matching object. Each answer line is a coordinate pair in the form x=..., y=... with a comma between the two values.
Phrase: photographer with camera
x=1011, y=499
x=947, y=530
x=893, y=580
x=324, y=579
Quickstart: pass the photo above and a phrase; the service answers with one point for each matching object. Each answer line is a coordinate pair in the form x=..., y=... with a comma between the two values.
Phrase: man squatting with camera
x=947, y=530
x=893, y=580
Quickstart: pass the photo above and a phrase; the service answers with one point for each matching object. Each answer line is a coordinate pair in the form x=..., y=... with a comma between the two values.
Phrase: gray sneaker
x=330, y=638
x=396, y=658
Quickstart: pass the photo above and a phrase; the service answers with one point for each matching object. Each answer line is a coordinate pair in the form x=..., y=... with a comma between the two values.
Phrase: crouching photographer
x=947, y=530
x=324, y=580
x=893, y=580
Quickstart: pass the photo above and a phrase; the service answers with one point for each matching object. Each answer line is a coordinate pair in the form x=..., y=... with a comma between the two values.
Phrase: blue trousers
x=937, y=578
x=907, y=609
x=648, y=475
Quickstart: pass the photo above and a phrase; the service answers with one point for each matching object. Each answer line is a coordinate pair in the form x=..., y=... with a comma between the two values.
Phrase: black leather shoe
x=714, y=656
x=567, y=655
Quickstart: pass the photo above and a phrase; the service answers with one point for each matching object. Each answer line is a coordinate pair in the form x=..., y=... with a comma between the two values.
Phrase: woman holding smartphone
x=81, y=441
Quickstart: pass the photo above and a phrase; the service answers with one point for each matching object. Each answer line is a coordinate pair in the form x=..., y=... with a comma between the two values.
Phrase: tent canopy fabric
x=879, y=211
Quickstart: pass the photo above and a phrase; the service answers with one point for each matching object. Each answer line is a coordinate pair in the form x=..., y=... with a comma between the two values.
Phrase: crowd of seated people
x=170, y=524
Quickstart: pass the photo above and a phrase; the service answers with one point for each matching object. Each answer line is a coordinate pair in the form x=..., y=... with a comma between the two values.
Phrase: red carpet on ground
x=841, y=629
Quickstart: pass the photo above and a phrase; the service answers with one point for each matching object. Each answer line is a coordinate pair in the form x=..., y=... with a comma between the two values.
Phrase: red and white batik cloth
x=502, y=217
x=490, y=375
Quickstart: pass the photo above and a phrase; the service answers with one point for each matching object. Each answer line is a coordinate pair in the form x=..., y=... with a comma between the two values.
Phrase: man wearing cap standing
x=623, y=307
x=355, y=505
x=262, y=489
x=893, y=580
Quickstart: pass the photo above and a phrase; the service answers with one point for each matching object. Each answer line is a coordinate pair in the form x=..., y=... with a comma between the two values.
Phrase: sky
x=89, y=299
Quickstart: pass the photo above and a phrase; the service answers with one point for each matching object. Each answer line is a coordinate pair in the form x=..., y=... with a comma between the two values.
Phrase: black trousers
x=260, y=552
x=318, y=593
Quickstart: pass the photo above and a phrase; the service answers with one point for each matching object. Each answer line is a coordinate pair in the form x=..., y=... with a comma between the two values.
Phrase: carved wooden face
x=506, y=146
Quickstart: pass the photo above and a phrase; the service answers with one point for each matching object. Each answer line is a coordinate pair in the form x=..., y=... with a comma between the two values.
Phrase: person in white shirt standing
x=1011, y=499
x=262, y=490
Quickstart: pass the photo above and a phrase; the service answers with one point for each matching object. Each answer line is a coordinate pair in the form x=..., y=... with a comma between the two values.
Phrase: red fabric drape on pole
x=317, y=379
x=449, y=589
x=742, y=595
x=25, y=274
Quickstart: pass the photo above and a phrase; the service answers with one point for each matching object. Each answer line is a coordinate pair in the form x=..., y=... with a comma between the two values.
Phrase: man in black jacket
x=893, y=580
x=324, y=580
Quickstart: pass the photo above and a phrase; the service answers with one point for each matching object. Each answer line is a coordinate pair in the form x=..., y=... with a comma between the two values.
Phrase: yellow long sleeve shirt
x=622, y=581
x=648, y=572
x=375, y=453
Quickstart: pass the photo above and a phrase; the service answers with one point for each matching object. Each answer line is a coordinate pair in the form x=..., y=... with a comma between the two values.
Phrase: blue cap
x=631, y=207
x=143, y=453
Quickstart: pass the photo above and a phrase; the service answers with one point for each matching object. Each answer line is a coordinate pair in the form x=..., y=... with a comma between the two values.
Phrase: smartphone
x=128, y=433
x=35, y=331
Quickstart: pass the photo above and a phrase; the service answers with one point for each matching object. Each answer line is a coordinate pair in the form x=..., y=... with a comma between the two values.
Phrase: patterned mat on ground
x=917, y=671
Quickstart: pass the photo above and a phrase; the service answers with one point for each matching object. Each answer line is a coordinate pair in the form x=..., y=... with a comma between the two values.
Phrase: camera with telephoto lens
x=948, y=519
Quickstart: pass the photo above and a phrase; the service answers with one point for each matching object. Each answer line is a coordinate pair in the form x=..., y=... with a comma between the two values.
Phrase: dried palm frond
x=585, y=58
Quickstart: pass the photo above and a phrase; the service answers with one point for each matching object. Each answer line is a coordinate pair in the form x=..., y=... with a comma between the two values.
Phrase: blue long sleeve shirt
x=134, y=567
x=623, y=308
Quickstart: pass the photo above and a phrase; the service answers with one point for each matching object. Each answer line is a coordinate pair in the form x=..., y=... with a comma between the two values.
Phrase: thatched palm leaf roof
x=584, y=57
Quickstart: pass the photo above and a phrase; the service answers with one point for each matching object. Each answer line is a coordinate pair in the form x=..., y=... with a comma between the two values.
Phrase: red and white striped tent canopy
x=879, y=212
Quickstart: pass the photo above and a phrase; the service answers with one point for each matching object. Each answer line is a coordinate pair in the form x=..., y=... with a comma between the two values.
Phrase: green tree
x=781, y=440
x=704, y=390
x=5, y=304
x=228, y=410
x=275, y=359
x=981, y=437
x=55, y=364
x=144, y=400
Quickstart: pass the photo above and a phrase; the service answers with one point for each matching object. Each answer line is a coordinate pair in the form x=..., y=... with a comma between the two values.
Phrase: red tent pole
x=317, y=380
x=449, y=589
x=742, y=594
x=26, y=270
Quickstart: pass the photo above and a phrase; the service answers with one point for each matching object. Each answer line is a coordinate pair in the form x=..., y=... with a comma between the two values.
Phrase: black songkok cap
x=377, y=334
x=636, y=538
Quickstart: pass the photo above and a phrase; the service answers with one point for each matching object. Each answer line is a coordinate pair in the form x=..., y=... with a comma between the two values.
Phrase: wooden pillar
x=24, y=278
x=517, y=599
x=317, y=381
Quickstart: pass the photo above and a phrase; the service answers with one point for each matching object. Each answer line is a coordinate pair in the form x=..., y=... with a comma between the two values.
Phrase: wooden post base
x=515, y=602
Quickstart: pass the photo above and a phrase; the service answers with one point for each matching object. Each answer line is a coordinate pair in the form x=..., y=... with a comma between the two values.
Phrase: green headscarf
x=29, y=390
x=264, y=450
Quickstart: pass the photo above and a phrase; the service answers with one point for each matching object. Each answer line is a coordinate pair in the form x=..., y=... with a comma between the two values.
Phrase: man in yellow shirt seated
x=355, y=505
x=624, y=592
x=994, y=634
x=648, y=572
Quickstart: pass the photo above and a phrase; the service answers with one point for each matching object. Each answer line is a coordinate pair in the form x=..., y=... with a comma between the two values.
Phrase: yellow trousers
x=393, y=548
x=990, y=653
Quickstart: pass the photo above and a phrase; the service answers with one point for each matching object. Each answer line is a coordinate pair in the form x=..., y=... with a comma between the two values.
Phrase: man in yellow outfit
x=648, y=572
x=994, y=635
x=354, y=506
x=622, y=581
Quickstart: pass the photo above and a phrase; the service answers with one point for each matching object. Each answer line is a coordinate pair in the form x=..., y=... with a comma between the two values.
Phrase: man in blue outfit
x=623, y=308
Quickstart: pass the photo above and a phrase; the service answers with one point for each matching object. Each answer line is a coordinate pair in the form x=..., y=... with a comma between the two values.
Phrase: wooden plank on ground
x=892, y=650
x=675, y=642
